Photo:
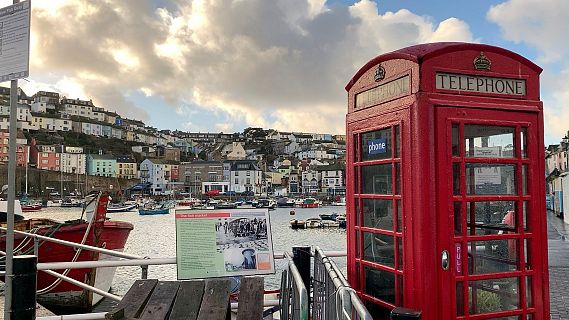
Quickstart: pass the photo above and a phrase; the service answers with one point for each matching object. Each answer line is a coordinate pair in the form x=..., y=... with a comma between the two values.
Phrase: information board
x=15, y=41
x=222, y=243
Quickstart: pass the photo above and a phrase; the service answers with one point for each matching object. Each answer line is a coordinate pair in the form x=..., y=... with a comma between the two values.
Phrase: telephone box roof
x=422, y=52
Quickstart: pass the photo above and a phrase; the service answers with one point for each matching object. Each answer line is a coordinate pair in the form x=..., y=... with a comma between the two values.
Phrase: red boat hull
x=31, y=207
x=104, y=234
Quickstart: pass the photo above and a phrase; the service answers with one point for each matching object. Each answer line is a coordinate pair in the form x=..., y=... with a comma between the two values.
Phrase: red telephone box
x=445, y=162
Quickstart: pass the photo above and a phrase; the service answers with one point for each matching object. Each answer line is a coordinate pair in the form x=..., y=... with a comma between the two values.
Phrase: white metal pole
x=11, y=198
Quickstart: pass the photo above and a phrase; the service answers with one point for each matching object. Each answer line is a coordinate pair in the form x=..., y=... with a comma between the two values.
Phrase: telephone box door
x=490, y=253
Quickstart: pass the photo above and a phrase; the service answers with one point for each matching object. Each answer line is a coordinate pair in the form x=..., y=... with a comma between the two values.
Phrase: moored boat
x=328, y=216
x=71, y=203
x=18, y=215
x=96, y=232
x=309, y=203
x=121, y=207
x=297, y=224
x=31, y=207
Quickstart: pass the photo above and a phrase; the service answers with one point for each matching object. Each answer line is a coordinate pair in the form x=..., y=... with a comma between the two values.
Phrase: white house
x=292, y=147
x=23, y=112
x=51, y=123
x=154, y=172
x=243, y=176
x=71, y=162
x=332, y=178
x=310, y=182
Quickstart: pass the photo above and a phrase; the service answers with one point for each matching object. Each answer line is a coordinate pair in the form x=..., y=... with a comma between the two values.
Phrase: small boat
x=153, y=209
x=313, y=223
x=265, y=203
x=72, y=203
x=146, y=212
x=331, y=216
x=226, y=205
x=121, y=207
x=99, y=233
x=341, y=221
x=309, y=203
x=31, y=207
x=297, y=224
x=285, y=203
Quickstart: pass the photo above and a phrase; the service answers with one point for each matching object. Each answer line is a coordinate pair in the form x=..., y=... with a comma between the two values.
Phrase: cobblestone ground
x=558, y=241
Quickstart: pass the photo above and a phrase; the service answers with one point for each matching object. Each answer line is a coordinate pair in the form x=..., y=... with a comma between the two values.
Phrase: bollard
x=24, y=288
x=405, y=314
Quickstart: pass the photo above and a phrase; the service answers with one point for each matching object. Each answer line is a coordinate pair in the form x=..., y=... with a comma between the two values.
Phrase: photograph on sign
x=15, y=41
x=223, y=243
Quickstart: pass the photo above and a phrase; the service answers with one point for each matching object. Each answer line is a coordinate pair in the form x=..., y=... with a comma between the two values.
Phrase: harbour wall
x=42, y=182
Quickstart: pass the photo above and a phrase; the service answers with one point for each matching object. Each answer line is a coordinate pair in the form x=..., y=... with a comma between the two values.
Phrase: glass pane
x=458, y=218
x=377, y=179
x=483, y=178
x=525, y=217
x=527, y=253
x=397, y=179
x=524, y=179
x=459, y=299
x=399, y=253
x=380, y=284
x=399, y=205
x=529, y=300
x=357, y=210
x=400, y=290
x=356, y=145
x=357, y=189
x=493, y=295
x=376, y=145
x=489, y=141
x=456, y=178
x=378, y=213
x=492, y=256
x=397, y=142
x=379, y=248
x=524, y=140
x=490, y=217
x=358, y=244
x=455, y=137
x=376, y=311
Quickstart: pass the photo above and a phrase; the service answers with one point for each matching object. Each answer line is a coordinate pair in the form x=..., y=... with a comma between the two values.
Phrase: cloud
x=281, y=63
x=542, y=25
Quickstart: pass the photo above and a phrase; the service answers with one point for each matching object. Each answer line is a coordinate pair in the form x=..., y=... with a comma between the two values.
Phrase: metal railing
x=294, y=296
x=333, y=298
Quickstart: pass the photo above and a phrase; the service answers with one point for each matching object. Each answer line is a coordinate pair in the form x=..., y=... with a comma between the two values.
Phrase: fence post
x=301, y=259
x=24, y=286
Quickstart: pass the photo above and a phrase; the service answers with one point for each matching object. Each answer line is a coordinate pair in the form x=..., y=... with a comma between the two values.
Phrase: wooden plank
x=161, y=300
x=134, y=300
x=251, y=299
x=215, y=300
x=188, y=300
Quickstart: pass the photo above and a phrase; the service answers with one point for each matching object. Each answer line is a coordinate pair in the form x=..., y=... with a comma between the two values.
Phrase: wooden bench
x=191, y=300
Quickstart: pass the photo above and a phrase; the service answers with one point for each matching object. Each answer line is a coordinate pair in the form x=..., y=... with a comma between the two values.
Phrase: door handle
x=444, y=260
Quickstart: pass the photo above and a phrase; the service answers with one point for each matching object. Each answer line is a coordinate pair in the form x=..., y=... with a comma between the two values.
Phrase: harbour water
x=155, y=236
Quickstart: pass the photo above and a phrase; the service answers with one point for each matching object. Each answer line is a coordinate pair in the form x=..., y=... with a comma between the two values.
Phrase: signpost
x=14, y=64
x=223, y=243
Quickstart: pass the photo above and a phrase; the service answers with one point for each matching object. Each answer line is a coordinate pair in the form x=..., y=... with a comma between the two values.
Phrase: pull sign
x=376, y=146
x=458, y=258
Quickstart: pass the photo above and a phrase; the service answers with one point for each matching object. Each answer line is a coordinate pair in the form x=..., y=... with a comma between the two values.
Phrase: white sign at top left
x=15, y=41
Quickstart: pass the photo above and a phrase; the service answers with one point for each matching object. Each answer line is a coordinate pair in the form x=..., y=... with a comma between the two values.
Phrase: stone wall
x=42, y=182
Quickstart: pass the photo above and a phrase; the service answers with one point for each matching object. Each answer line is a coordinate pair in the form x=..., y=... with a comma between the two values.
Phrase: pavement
x=558, y=242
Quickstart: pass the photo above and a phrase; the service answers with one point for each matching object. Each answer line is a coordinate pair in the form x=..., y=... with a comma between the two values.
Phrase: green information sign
x=223, y=243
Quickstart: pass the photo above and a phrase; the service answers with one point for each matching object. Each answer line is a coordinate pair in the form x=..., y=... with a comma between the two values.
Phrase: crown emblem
x=482, y=62
x=379, y=73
